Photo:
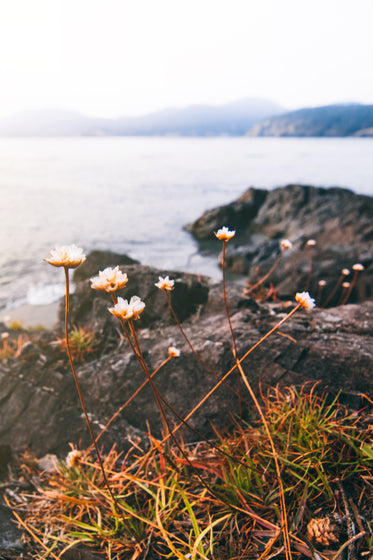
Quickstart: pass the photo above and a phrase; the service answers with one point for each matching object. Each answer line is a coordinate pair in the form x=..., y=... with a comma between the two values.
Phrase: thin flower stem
x=165, y=423
x=116, y=414
x=231, y=329
x=275, y=457
x=334, y=291
x=208, y=395
x=116, y=506
x=194, y=351
x=310, y=254
x=264, y=278
x=159, y=398
x=349, y=290
x=226, y=304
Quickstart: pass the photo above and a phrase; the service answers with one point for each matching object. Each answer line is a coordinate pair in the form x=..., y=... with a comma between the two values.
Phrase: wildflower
x=358, y=267
x=165, y=283
x=305, y=300
x=109, y=280
x=224, y=234
x=4, y=335
x=125, y=310
x=73, y=458
x=311, y=243
x=286, y=244
x=173, y=352
x=69, y=256
x=322, y=283
x=346, y=284
x=345, y=272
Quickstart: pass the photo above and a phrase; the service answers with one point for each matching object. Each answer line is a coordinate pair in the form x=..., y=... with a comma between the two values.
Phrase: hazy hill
x=331, y=120
x=199, y=120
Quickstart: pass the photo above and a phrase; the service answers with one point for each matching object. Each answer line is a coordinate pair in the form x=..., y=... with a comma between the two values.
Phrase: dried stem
x=194, y=351
x=334, y=291
x=231, y=329
x=116, y=506
x=250, y=289
x=349, y=290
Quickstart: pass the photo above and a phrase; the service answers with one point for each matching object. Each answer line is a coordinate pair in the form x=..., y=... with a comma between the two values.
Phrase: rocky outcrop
x=339, y=220
x=89, y=308
x=39, y=407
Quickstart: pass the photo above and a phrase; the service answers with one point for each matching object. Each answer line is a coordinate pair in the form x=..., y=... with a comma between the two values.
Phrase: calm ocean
x=133, y=196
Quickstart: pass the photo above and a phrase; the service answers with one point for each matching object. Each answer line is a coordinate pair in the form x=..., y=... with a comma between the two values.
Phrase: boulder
x=89, y=308
x=340, y=222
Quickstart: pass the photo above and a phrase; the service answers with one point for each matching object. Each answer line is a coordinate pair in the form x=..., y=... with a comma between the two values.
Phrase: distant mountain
x=332, y=120
x=232, y=119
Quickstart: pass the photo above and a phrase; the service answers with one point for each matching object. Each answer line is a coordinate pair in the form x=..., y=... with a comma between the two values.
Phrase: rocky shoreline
x=39, y=407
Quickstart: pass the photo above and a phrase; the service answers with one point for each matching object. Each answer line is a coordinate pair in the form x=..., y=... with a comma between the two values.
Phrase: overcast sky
x=129, y=57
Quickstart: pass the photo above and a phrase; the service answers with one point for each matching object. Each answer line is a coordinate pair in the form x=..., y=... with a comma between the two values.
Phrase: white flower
x=322, y=283
x=109, y=280
x=73, y=458
x=286, y=244
x=224, y=234
x=358, y=267
x=173, y=352
x=311, y=243
x=345, y=272
x=69, y=256
x=305, y=300
x=165, y=283
x=124, y=310
x=137, y=305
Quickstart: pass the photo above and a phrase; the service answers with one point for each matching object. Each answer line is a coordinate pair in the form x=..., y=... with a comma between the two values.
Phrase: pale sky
x=122, y=58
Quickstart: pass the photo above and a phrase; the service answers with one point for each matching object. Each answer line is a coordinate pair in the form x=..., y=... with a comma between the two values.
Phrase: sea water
x=134, y=195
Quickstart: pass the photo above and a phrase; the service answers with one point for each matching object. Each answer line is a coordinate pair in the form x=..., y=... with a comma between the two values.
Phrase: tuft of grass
x=324, y=452
x=81, y=341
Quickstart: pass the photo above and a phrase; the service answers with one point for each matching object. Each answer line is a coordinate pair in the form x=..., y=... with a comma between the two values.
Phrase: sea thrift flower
x=124, y=310
x=109, y=280
x=311, y=243
x=224, y=234
x=358, y=267
x=4, y=335
x=286, y=244
x=173, y=352
x=165, y=283
x=346, y=284
x=69, y=256
x=73, y=458
x=305, y=300
x=345, y=272
x=322, y=283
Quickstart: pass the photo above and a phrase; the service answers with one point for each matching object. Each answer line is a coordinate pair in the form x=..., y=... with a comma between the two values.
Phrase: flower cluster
x=69, y=256
x=224, y=234
x=109, y=280
x=128, y=310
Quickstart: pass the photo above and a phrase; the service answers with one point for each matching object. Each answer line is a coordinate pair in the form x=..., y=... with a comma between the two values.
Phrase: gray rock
x=10, y=535
x=40, y=408
x=340, y=221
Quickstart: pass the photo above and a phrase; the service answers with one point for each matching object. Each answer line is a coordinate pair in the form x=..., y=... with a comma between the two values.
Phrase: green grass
x=236, y=513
